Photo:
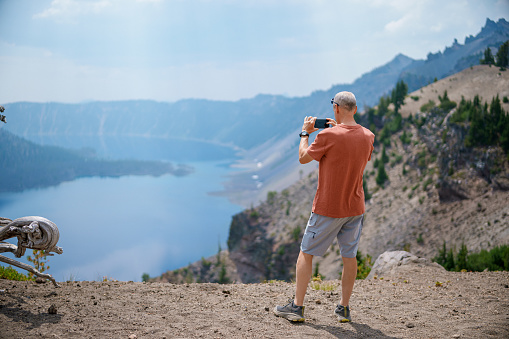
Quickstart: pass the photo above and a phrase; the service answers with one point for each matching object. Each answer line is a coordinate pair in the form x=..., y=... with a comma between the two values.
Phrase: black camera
x=322, y=123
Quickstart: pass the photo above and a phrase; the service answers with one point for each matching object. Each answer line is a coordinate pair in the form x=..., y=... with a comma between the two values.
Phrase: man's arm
x=304, y=157
x=308, y=126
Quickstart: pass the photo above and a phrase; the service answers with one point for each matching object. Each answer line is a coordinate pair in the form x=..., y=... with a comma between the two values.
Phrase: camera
x=322, y=123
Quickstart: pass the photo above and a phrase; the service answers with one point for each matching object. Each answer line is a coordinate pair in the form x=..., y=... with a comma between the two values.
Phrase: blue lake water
x=123, y=227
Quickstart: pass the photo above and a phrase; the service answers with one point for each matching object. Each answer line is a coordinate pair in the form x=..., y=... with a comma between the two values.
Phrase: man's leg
x=303, y=275
x=348, y=279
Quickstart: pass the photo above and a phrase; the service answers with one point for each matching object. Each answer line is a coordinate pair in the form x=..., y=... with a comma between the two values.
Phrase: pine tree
x=382, y=175
x=488, y=57
x=461, y=260
x=503, y=55
x=384, y=157
x=398, y=95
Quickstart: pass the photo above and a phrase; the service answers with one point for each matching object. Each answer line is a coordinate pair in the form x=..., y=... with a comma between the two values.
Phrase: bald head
x=346, y=100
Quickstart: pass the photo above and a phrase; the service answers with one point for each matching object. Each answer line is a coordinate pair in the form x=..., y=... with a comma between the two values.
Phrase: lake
x=123, y=227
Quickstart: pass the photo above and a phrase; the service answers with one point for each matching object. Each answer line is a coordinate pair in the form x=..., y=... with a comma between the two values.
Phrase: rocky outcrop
x=391, y=263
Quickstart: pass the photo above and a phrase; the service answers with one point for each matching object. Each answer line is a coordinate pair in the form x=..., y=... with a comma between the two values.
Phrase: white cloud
x=69, y=9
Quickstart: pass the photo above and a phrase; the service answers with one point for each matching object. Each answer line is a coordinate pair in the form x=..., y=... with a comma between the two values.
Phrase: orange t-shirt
x=343, y=152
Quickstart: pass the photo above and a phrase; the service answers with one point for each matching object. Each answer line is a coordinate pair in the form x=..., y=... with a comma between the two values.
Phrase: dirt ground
x=424, y=303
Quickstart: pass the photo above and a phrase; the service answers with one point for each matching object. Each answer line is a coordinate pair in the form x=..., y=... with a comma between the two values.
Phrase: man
x=338, y=208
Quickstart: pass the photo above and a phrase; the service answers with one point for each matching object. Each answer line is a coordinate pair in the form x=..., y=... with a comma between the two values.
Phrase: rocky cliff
x=438, y=190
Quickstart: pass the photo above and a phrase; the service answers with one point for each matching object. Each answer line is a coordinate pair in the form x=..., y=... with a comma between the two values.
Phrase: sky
x=166, y=50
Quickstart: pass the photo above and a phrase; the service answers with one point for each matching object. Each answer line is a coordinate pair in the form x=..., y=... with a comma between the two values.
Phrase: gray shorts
x=321, y=231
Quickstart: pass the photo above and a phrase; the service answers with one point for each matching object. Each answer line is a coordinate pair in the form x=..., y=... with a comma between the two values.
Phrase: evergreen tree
x=503, y=55
x=449, y=261
x=461, y=260
x=384, y=157
x=383, y=106
x=367, y=196
x=398, y=95
x=488, y=57
x=382, y=175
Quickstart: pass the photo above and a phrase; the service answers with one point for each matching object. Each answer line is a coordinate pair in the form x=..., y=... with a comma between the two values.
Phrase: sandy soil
x=466, y=305
x=481, y=80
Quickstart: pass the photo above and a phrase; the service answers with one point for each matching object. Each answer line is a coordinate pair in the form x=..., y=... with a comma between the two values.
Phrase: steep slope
x=439, y=190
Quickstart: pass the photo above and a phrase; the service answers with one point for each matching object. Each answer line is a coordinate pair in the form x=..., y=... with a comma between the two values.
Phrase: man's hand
x=331, y=122
x=309, y=125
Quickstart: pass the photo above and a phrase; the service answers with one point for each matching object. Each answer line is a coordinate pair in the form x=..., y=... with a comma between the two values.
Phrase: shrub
x=10, y=273
x=296, y=233
x=428, y=106
x=364, y=265
x=39, y=260
x=382, y=174
x=271, y=196
x=497, y=259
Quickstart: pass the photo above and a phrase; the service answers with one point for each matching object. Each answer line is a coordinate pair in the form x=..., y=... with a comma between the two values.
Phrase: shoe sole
x=289, y=316
x=341, y=318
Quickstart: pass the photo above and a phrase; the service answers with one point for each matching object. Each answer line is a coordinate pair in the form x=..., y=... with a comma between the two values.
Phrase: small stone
x=52, y=309
x=266, y=309
x=133, y=336
x=40, y=280
x=410, y=325
x=318, y=302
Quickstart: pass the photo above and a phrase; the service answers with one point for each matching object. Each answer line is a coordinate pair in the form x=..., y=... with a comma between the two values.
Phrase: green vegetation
x=489, y=59
x=316, y=273
x=296, y=233
x=39, y=261
x=445, y=103
x=364, y=265
x=319, y=285
x=145, y=277
x=223, y=278
x=497, y=259
x=10, y=273
x=367, y=195
x=398, y=95
x=271, y=197
x=503, y=55
x=489, y=124
x=406, y=138
x=382, y=176
x=428, y=106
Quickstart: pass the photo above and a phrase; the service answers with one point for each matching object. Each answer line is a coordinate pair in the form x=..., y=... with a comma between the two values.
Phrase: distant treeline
x=497, y=259
x=25, y=165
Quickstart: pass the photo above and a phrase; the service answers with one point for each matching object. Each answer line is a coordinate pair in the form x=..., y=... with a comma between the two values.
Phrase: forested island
x=27, y=165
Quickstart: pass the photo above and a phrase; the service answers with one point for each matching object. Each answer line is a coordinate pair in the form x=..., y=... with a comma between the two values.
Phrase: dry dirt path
x=411, y=305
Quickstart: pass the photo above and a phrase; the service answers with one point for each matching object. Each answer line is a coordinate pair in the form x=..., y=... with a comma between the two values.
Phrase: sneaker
x=290, y=311
x=343, y=313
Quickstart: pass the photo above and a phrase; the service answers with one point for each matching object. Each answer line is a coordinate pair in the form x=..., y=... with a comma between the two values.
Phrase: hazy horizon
x=74, y=51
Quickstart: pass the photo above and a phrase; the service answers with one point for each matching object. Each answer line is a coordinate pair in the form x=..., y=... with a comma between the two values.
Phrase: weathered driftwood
x=36, y=233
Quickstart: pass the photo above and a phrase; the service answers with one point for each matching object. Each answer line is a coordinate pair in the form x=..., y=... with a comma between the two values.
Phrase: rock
x=390, y=262
x=40, y=280
x=52, y=309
